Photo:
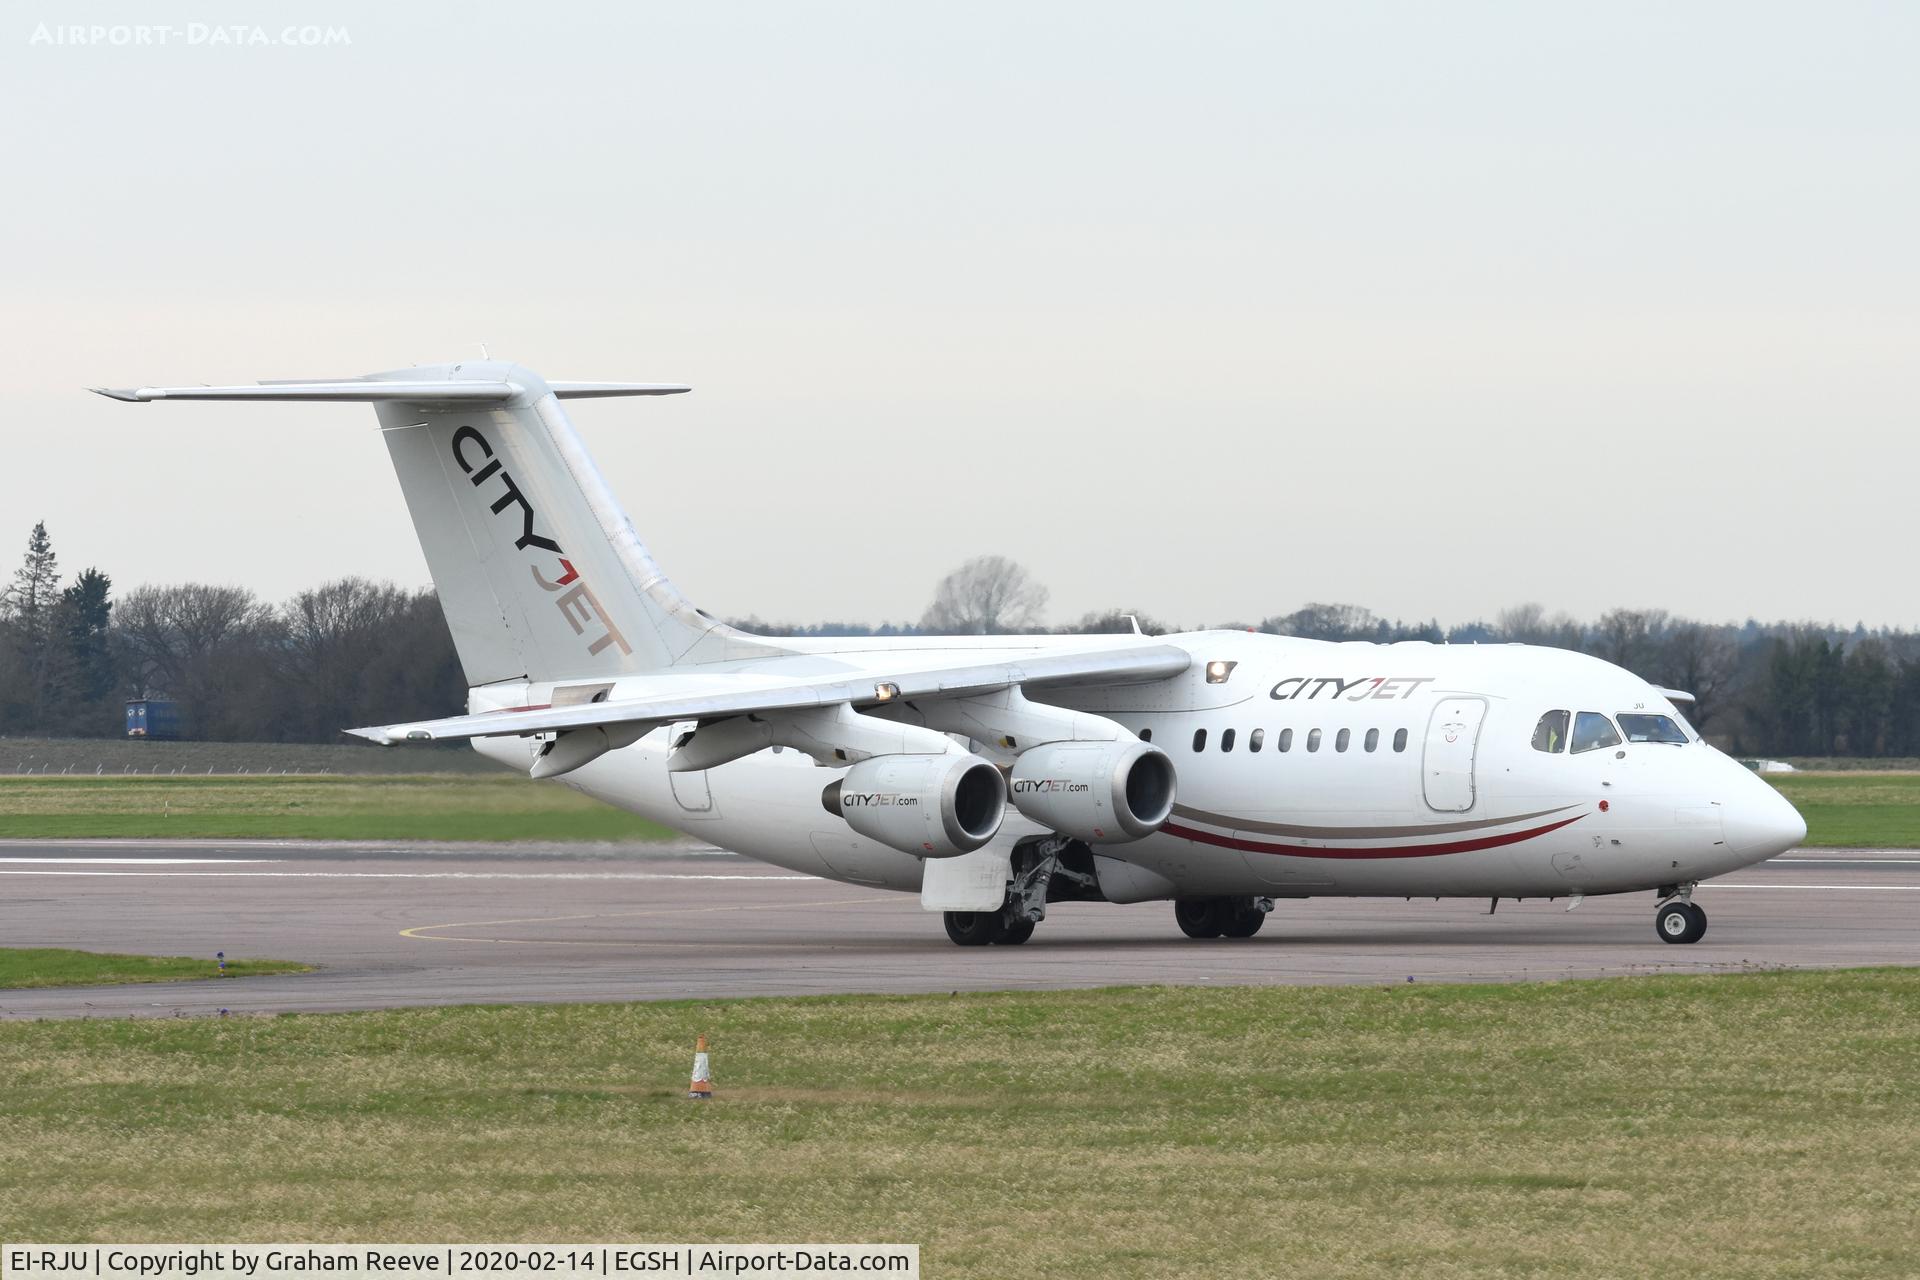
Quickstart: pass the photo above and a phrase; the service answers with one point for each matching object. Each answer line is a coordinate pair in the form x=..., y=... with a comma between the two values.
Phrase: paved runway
x=392, y=925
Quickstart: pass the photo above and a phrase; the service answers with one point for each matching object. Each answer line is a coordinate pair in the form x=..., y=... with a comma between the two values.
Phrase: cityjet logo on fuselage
x=1359, y=689
x=575, y=600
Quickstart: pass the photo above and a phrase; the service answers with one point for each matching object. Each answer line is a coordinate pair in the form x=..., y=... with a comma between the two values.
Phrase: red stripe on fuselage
x=1401, y=851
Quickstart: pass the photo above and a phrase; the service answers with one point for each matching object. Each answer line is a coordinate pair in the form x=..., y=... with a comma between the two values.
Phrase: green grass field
x=496, y=806
x=1865, y=810
x=1758, y=1125
x=22, y=967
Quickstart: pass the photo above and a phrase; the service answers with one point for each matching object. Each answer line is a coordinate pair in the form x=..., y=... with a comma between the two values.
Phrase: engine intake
x=1100, y=792
x=932, y=806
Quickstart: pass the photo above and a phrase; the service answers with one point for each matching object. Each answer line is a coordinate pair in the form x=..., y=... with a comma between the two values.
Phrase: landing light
x=1217, y=671
x=886, y=692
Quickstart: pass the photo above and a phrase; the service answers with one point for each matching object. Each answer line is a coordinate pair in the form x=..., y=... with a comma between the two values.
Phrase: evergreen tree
x=36, y=585
x=32, y=601
x=86, y=615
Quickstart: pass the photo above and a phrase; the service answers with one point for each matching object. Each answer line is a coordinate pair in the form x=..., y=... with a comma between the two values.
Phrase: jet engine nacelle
x=932, y=806
x=1100, y=792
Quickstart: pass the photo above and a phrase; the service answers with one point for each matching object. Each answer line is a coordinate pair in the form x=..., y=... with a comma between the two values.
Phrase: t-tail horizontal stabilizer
x=362, y=391
x=539, y=571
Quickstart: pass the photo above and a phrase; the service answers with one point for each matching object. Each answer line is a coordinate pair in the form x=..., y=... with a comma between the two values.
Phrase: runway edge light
x=702, y=1087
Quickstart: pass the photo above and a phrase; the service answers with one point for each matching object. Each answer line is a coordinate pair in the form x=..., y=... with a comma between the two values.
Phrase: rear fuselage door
x=1453, y=738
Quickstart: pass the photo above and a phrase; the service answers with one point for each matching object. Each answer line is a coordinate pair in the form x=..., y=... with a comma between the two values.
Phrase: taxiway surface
x=391, y=926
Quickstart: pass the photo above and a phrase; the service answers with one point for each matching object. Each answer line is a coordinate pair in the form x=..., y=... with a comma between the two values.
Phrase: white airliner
x=993, y=775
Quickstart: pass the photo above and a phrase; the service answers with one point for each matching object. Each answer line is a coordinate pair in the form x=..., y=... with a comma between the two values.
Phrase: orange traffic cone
x=702, y=1086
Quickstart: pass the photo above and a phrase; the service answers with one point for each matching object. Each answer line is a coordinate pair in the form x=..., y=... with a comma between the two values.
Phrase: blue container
x=152, y=718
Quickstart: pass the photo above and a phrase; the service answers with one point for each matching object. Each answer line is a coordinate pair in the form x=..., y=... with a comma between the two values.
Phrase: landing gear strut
x=1679, y=919
x=1221, y=917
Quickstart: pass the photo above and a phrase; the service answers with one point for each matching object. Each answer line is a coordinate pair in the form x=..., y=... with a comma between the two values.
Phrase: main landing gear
x=1047, y=869
x=983, y=928
x=1221, y=917
x=1679, y=919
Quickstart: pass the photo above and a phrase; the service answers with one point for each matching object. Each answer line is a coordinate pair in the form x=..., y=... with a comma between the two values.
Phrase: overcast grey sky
x=1205, y=309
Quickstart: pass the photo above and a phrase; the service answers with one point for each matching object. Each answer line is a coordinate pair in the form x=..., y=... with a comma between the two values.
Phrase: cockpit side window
x=1551, y=733
x=1646, y=728
x=1591, y=731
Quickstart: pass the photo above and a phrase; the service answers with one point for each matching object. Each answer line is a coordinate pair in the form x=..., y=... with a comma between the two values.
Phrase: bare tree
x=335, y=633
x=1118, y=621
x=1523, y=623
x=1702, y=660
x=207, y=646
x=988, y=595
x=1631, y=638
x=1326, y=622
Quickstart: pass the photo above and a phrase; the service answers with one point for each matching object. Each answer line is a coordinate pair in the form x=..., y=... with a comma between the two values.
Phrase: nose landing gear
x=1679, y=919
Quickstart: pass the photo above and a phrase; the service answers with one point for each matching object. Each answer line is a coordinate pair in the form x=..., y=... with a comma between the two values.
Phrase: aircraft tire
x=1244, y=922
x=1680, y=922
x=1201, y=917
x=974, y=928
x=1015, y=934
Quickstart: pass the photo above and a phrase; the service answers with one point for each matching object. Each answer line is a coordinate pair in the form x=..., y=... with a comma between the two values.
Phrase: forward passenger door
x=1453, y=740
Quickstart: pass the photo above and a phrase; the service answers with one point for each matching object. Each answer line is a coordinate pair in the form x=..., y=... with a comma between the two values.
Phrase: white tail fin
x=540, y=573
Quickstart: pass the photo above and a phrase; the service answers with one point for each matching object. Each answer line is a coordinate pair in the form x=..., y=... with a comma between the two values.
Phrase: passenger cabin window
x=1373, y=739
x=1226, y=740
x=1399, y=739
x=1313, y=739
x=1550, y=735
x=1286, y=739
x=1644, y=728
x=1256, y=739
x=1341, y=739
x=1591, y=731
x=1146, y=735
x=1199, y=739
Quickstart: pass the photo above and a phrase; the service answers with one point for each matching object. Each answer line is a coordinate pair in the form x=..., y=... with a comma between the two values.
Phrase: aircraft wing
x=715, y=696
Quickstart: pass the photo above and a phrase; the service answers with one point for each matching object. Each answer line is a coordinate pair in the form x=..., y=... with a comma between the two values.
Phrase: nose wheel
x=1680, y=921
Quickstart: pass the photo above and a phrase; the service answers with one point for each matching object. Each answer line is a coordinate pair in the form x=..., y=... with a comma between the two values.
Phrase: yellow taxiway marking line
x=420, y=932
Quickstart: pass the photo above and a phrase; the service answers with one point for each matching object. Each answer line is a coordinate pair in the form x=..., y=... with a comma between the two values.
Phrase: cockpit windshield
x=1591, y=731
x=1646, y=728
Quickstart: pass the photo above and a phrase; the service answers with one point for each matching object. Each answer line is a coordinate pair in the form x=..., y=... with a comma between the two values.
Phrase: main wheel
x=1016, y=933
x=1680, y=922
x=1201, y=917
x=974, y=928
x=1244, y=922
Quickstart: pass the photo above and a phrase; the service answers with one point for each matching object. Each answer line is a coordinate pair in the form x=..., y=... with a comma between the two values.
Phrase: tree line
x=241, y=669
x=355, y=652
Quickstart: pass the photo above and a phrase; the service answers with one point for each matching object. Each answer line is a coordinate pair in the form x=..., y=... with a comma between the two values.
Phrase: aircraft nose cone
x=1761, y=823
